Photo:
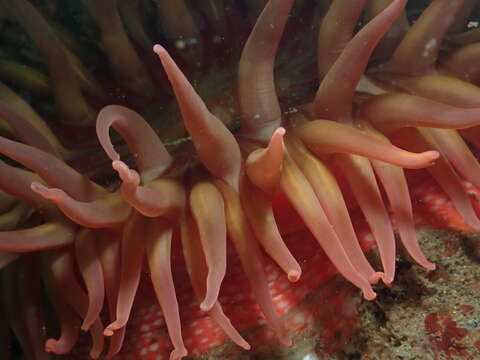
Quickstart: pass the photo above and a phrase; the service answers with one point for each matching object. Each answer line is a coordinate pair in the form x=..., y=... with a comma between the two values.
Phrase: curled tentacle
x=110, y=211
x=317, y=135
x=215, y=144
x=151, y=156
x=264, y=166
x=260, y=109
x=160, y=197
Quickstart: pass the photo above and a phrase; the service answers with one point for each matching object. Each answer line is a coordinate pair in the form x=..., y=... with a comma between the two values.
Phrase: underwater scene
x=239, y=179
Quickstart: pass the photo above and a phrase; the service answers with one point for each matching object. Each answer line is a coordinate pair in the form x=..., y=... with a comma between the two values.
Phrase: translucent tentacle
x=133, y=247
x=364, y=186
x=42, y=237
x=123, y=59
x=247, y=248
x=27, y=124
x=453, y=147
x=302, y=197
x=61, y=263
x=260, y=110
x=160, y=197
x=54, y=171
x=318, y=136
x=336, y=31
x=215, y=144
x=330, y=196
x=197, y=270
x=392, y=38
x=109, y=211
x=14, y=217
x=68, y=319
x=422, y=42
x=158, y=247
x=395, y=185
x=92, y=273
x=395, y=111
x=464, y=62
x=208, y=210
x=334, y=97
x=71, y=103
x=109, y=251
x=258, y=209
x=264, y=166
x=444, y=174
x=151, y=156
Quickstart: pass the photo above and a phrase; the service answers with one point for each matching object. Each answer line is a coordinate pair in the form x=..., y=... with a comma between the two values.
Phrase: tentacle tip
x=285, y=340
x=159, y=49
x=369, y=294
x=51, y=346
x=294, y=275
x=429, y=266
x=178, y=354
x=245, y=345
x=432, y=156
x=280, y=131
x=110, y=329
x=207, y=305
x=376, y=277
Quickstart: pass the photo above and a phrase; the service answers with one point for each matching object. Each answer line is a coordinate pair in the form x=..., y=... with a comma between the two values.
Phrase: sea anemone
x=89, y=235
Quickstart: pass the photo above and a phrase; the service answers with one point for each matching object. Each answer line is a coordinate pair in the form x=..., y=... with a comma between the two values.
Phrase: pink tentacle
x=330, y=196
x=260, y=110
x=91, y=269
x=423, y=40
x=208, y=210
x=54, y=171
x=110, y=211
x=158, y=247
x=150, y=154
x=258, y=209
x=391, y=112
x=197, y=270
x=334, y=97
x=302, y=197
x=109, y=251
x=247, y=248
x=264, y=166
x=318, y=136
x=336, y=31
x=395, y=185
x=161, y=197
x=42, y=237
x=362, y=180
x=133, y=250
x=215, y=144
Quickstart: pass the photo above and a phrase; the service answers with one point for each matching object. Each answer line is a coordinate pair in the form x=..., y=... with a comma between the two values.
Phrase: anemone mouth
x=93, y=240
